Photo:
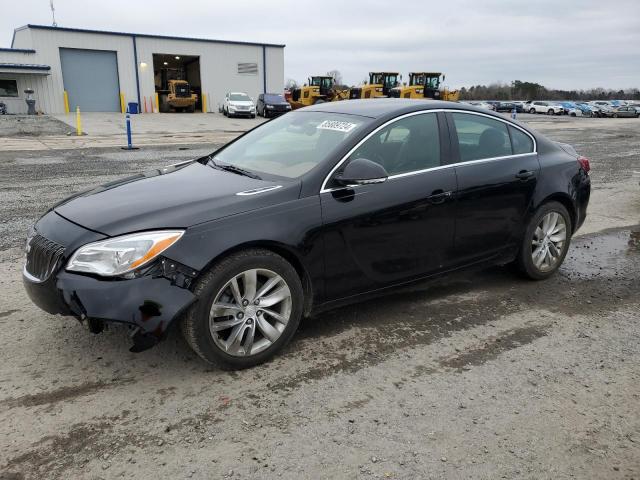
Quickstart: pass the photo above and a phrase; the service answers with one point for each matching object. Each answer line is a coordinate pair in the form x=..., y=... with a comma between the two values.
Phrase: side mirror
x=362, y=172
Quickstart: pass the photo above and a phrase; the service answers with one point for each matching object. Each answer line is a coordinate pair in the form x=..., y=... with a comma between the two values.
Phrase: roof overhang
x=24, y=68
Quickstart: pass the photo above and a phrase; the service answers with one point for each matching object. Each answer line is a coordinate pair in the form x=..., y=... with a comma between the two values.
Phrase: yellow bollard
x=66, y=101
x=204, y=103
x=123, y=109
x=78, y=122
x=157, y=104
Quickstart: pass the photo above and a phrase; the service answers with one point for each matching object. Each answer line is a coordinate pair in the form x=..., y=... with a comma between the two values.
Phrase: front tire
x=532, y=111
x=250, y=306
x=546, y=241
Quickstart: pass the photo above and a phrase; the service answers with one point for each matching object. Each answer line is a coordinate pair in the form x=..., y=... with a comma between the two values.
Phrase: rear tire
x=546, y=241
x=206, y=328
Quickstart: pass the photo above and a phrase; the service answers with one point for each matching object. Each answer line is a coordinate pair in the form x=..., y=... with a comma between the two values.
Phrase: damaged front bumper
x=150, y=300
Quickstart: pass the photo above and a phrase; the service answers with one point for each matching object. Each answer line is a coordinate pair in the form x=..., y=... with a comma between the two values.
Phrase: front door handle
x=525, y=174
x=438, y=196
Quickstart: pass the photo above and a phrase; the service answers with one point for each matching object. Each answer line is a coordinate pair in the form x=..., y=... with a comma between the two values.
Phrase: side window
x=481, y=137
x=407, y=145
x=520, y=141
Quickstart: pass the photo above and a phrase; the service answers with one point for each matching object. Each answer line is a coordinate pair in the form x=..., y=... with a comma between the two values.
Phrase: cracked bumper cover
x=151, y=301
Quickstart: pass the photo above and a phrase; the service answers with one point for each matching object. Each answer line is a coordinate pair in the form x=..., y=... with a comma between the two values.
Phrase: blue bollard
x=129, y=145
x=514, y=113
x=129, y=142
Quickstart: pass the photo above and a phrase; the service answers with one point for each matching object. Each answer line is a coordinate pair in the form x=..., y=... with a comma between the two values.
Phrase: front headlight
x=119, y=255
x=270, y=107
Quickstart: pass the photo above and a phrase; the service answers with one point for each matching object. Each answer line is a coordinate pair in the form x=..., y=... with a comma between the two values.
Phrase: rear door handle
x=438, y=196
x=525, y=174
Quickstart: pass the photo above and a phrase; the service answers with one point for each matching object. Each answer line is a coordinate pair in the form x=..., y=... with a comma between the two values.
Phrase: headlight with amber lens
x=119, y=255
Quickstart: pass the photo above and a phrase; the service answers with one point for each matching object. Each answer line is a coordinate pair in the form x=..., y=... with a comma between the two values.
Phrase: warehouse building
x=102, y=71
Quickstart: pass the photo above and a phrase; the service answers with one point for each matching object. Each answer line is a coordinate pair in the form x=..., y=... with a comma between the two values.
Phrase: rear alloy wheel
x=250, y=307
x=546, y=241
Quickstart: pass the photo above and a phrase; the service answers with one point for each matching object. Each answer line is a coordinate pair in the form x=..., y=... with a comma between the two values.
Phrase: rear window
x=481, y=137
x=520, y=141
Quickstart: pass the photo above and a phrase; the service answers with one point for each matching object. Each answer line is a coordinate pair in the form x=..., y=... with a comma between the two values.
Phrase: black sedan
x=310, y=211
x=272, y=105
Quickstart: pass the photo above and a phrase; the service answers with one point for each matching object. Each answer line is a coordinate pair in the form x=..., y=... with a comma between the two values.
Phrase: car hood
x=178, y=196
x=240, y=103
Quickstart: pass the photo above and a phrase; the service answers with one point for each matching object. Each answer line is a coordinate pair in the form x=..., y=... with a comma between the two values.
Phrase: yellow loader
x=379, y=86
x=425, y=85
x=320, y=89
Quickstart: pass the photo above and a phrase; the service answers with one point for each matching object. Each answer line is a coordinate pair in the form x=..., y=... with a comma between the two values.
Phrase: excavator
x=320, y=89
x=425, y=85
x=380, y=85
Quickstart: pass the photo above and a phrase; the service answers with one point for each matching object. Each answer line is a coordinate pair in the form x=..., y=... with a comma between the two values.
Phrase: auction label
x=337, y=125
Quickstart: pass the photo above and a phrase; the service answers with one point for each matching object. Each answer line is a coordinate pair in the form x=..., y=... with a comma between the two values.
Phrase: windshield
x=239, y=97
x=290, y=145
x=274, y=99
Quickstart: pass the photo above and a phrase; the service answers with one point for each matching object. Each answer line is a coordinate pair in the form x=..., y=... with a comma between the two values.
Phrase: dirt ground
x=482, y=375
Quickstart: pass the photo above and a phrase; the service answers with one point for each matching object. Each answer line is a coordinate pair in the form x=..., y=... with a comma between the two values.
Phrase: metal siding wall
x=47, y=43
x=22, y=39
x=218, y=66
x=275, y=69
x=17, y=104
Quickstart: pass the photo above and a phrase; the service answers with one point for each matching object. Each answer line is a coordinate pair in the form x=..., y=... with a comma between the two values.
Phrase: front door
x=497, y=171
x=382, y=234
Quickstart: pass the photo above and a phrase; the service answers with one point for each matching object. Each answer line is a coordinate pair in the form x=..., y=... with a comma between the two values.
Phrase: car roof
x=380, y=107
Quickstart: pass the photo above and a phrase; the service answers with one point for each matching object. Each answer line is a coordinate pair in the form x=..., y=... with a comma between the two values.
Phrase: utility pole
x=53, y=13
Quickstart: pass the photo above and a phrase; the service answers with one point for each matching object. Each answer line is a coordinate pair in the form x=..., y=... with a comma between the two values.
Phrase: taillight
x=584, y=163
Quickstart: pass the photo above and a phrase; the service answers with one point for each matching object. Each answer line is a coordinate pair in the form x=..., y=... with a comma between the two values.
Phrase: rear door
x=382, y=234
x=497, y=170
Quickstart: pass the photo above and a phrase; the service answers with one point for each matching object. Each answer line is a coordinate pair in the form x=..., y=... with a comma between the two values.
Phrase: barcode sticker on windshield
x=337, y=126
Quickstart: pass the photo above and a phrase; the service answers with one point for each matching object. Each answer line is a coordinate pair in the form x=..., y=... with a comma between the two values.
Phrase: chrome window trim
x=324, y=188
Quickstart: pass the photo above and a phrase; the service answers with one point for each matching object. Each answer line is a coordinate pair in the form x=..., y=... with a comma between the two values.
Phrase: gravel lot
x=483, y=375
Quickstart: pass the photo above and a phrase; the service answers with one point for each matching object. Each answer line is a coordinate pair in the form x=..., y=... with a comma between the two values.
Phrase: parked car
x=506, y=107
x=3, y=109
x=586, y=109
x=601, y=109
x=567, y=106
x=317, y=208
x=544, y=107
x=623, y=111
x=238, y=104
x=485, y=105
x=519, y=106
x=271, y=104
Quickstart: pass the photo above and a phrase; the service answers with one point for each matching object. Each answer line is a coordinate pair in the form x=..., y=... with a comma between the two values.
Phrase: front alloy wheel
x=249, y=306
x=545, y=242
x=250, y=312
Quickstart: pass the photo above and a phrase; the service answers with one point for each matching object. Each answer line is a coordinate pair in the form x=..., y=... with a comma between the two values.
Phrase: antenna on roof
x=53, y=13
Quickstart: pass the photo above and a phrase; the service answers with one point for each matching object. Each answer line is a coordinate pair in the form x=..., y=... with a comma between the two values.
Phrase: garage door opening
x=90, y=79
x=177, y=81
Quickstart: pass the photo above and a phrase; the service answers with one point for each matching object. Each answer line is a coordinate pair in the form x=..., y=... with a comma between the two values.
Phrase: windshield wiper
x=234, y=169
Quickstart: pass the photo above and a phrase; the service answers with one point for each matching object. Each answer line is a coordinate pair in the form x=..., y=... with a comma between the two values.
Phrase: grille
x=43, y=256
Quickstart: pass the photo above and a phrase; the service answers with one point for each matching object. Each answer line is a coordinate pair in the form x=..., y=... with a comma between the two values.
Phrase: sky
x=566, y=44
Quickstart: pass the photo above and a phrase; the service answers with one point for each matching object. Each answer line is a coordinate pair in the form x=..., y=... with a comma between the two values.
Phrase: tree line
x=519, y=90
